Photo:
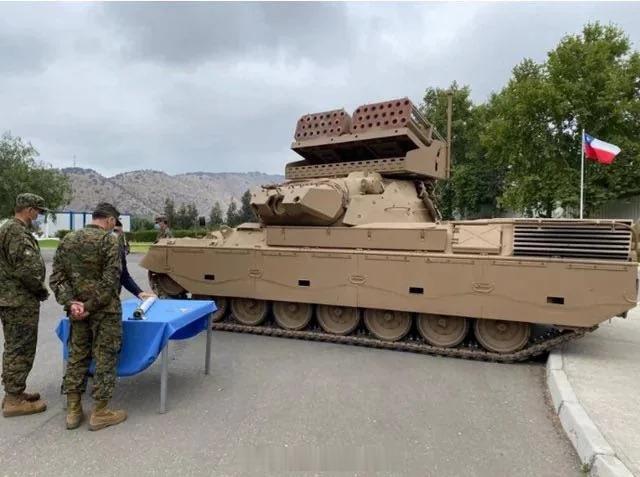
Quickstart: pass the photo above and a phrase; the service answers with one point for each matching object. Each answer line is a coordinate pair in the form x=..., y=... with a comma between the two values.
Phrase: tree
x=215, y=216
x=589, y=81
x=191, y=216
x=246, y=213
x=181, y=219
x=475, y=183
x=233, y=217
x=21, y=172
x=170, y=212
x=141, y=223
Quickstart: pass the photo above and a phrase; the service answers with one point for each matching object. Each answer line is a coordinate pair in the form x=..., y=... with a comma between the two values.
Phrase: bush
x=142, y=236
x=61, y=233
x=150, y=235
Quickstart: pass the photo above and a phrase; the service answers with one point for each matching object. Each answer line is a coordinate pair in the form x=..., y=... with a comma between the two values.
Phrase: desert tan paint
x=352, y=230
x=342, y=268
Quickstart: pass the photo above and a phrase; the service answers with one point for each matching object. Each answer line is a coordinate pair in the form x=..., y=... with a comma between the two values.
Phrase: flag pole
x=582, y=174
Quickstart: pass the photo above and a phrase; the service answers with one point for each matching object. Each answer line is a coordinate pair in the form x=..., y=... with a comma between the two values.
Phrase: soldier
x=162, y=225
x=22, y=289
x=86, y=282
x=126, y=280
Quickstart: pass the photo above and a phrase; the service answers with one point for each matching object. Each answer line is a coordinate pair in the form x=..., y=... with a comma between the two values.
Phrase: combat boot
x=74, y=411
x=15, y=405
x=102, y=417
x=27, y=397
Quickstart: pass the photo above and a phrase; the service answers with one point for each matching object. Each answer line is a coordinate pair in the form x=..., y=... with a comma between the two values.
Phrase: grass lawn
x=48, y=243
x=139, y=247
x=135, y=247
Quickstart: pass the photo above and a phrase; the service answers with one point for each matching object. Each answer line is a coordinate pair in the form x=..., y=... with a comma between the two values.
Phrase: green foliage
x=141, y=236
x=150, y=235
x=186, y=217
x=170, y=211
x=246, y=213
x=475, y=182
x=21, y=172
x=141, y=223
x=533, y=130
x=215, y=216
x=233, y=216
x=62, y=233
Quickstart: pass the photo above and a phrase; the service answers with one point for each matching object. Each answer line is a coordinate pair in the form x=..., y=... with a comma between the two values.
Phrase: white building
x=72, y=221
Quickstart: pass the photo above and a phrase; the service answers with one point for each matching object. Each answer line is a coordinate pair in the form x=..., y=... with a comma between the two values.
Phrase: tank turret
x=378, y=166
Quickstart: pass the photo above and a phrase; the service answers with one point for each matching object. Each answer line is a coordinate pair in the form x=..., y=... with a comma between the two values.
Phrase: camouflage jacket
x=87, y=268
x=166, y=233
x=22, y=269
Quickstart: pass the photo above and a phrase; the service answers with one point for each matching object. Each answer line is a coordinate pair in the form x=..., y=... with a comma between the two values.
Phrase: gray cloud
x=219, y=87
x=188, y=33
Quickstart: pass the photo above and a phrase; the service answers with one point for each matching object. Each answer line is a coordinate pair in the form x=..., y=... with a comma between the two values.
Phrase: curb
x=594, y=451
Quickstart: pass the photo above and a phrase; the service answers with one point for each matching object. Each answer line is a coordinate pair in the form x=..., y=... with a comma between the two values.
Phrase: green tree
x=170, y=211
x=589, y=81
x=141, y=223
x=191, y=216
x=233, y=217
x=22, y=172
x=246, y=213
x=475, y=183
x=181, y=218
x=215, y=216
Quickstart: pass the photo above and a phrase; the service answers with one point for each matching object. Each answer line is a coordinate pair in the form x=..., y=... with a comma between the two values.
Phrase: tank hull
x=562, y=292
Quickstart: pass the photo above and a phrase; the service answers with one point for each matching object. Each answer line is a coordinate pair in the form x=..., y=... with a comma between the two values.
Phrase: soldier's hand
x=146, y=294
x=77, y=311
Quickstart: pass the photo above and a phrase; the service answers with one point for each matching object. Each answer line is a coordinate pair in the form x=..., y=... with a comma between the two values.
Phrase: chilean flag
x=598, y=150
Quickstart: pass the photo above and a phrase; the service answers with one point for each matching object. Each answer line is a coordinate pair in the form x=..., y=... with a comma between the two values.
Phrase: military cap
x=107, y=210
x=30, y=200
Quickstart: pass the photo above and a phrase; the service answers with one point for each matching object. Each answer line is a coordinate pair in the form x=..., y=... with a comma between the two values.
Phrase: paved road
x=273, y=405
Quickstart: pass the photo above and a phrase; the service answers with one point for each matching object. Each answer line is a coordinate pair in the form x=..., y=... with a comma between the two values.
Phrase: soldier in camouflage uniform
x=22, y=288
x=162, y=225
x=86, y=282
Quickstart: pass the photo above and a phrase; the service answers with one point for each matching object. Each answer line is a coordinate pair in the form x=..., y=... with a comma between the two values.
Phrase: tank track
x=545, y=342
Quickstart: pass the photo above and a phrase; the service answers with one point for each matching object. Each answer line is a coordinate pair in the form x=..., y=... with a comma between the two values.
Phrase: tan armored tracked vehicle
x=351, y=249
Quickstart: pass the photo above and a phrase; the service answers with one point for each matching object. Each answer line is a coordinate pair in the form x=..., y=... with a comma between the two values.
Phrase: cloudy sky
x=219, y=86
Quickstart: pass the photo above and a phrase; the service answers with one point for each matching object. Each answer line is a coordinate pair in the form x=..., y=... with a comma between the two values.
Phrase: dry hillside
x=142, y=193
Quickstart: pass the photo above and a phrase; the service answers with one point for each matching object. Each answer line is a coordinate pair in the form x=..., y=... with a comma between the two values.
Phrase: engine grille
x=605, y=241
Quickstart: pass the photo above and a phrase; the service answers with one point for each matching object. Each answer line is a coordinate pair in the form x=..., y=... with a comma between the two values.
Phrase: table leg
x=164, y=375
x=207, y=355
x=64, y=371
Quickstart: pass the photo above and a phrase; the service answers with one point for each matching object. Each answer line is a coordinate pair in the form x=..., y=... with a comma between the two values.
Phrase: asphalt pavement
x=273, y=406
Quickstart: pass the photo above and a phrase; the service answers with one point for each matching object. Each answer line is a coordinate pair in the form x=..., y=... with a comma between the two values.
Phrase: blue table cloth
x=143, y=340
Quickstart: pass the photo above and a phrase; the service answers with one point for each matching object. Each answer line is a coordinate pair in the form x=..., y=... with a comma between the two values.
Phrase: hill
x=142, y=193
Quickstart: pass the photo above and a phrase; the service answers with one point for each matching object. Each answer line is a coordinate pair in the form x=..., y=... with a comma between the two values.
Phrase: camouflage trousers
x=20, y=328
x=98, y=337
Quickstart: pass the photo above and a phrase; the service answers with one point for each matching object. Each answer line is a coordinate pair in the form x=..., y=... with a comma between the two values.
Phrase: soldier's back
x=82, y=252
x=16, y=246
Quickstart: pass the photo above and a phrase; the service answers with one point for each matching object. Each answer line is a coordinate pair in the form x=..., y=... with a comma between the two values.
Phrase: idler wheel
x=337, y=320
x=442, y=330
x=388, y=325
x=222, y=306
x=502, y=336
x=292, y=316
x=165, y=286
x=249, y=311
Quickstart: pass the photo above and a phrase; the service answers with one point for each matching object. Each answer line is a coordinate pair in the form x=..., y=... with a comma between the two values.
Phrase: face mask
x=156, y=226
